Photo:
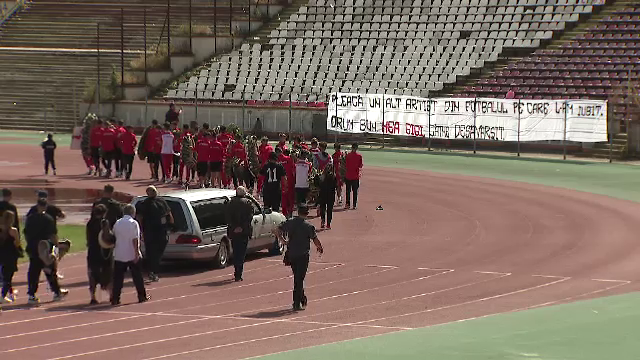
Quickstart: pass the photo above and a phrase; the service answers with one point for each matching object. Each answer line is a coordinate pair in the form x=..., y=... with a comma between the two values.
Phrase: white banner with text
x=469, y=118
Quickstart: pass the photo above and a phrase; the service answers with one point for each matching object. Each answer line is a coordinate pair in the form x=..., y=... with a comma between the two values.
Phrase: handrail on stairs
x=6, y=14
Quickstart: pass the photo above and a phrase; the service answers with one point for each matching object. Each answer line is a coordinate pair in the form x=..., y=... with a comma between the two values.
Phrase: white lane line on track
x=72, y=326
x=492, y=272
x=199, y=318
x=608, y=280
x=551, y=276
x=619, y=283
x=350, y=324
x=169, y=313
x=132, y=291
x=382, y=266
x=348, y=294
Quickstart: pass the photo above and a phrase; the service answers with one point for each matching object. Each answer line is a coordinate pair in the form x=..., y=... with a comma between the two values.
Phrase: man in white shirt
x=127, y=255
x=167, y=153
x=303, y=169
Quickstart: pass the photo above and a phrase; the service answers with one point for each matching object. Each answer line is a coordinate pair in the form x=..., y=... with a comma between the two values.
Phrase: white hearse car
x=200, y=231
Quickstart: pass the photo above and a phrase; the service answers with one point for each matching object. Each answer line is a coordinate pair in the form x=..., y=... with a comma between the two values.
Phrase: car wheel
x=222, y=257
x=277, y=248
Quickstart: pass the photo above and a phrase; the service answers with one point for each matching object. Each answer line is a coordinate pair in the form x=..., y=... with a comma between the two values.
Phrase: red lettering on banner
x=392, y=127
x=414, y=130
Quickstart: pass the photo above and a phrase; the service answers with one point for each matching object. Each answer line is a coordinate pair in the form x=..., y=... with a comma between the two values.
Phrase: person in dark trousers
x=300, y=233
x=49, y=147
x=95, y=142
x=99, y=259
x=327, y=195
x=6, y=204
x=128, y=142
x=155, y=218
x=274, y=176
x=239, y=213
x=353, y=164
x=38, y=227
x=114, y=208
x=10, y=251
x=127, y=256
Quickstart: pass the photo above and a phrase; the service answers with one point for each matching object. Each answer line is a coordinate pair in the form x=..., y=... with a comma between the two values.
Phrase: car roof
x=198, y=194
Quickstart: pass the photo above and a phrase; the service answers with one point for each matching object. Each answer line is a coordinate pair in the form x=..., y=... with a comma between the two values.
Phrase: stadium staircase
x=49, y=56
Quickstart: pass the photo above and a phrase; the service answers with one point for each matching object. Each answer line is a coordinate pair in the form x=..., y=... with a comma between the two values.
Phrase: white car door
x=257, y=240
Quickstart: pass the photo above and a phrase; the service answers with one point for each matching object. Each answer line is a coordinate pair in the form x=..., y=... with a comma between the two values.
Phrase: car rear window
x=179, y=218
x=210, y=213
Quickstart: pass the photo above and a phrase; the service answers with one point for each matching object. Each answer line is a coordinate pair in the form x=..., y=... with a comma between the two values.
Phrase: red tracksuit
x=288, y=191
x=225, y=140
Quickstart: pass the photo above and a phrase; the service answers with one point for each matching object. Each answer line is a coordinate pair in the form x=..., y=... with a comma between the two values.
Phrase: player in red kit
x=225, y=139
x=298, y=143
x=150, y=147
x=282, y=144
x=108, y=144
x=353, y=162
x=288, y=188
x=238, y=151
x=217, y=153
x=128, y=142
x=95, y=139
x=264, y=150
x=203, y=150
x=314, y=150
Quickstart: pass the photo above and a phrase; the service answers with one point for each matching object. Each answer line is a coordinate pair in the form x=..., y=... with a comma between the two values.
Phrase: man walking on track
x=167, y=153
x=127, y=255
x=303, y=169
x=128, y=142
x=120, y=130
x=239, y=215
x=49, y=146
x=353, y=162
x=40, y=226
x=275, y=177
x=155, y=219
x=300, y=234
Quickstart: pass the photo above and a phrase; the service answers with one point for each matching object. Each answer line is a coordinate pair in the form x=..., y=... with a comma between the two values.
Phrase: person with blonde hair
x=10, y=251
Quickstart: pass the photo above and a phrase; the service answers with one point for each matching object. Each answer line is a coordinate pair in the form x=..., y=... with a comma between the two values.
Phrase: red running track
x=445, y=248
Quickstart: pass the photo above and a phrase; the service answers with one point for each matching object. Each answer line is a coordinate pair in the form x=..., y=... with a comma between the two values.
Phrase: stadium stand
x=49, y=57
x=410, y=47
x=596, y=63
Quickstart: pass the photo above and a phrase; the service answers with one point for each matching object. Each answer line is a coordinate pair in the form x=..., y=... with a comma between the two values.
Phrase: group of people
x=40, y=230
x=111, y=146
x=114, y=235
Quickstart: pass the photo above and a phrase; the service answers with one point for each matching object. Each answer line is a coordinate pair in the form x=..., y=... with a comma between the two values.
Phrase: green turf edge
x=615, y=180
x=75, y=233
x=602, y=328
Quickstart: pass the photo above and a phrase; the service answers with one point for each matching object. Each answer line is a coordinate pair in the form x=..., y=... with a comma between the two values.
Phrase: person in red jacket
x=108, y=143
x=203, y=150
x=217, y=153
x=225, y=139
x=264, y=151
x=153, y=136
x=128, y=142
x=337, y=165
x=353, y=162
x=120, y=129
x=95, y=139
x=298, y=143
x=238, y=150
x=288, y=188
x=282, y=144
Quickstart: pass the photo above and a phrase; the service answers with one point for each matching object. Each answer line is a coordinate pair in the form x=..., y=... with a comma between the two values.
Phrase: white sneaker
x=6, y=300
x=60, y=276
x=62, y=295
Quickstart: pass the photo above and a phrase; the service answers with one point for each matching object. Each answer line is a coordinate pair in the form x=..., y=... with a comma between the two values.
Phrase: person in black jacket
x=114, y=208
x=156, y=219
x=99, y=259
x=239, y=213
x=49, y=147
x=38, y=227
x=327, y=195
